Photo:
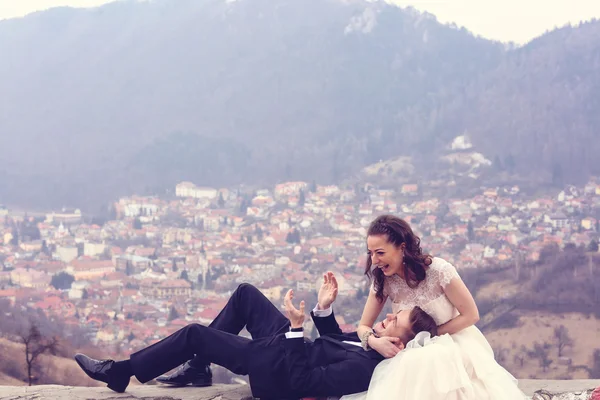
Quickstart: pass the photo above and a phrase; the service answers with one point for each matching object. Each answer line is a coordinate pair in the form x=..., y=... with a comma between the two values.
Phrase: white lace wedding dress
x=448, y=367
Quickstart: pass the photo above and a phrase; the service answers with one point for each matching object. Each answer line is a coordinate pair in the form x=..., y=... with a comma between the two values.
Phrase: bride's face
x=385, y=255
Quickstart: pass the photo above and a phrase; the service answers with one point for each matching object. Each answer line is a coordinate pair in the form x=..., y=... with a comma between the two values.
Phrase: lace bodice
x=429, y=295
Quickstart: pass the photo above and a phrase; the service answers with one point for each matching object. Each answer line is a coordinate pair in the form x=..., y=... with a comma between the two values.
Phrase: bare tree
x=501, y=354
x=520, y=356
x=35, y=345
x=563, y=340
x=545, y=362
x=594, y=371
x=542, y=353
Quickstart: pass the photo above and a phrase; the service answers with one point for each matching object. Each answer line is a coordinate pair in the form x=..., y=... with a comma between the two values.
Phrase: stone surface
x=149, y=392
x=217, y=392
x=529, y=386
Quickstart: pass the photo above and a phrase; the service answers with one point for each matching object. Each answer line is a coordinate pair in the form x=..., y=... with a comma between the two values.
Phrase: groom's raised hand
x=296, y=316
x=328, y=291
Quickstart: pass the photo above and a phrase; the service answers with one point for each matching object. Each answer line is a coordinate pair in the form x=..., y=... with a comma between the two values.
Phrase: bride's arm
x=370, y=313
x=460, y=296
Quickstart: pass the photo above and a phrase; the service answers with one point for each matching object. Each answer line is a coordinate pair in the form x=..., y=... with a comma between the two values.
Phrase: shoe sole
x=118, y=389
x=186, y=384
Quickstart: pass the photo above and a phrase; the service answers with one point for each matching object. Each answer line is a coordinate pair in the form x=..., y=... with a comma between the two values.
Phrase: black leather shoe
x=100, y=371
x=188, y=375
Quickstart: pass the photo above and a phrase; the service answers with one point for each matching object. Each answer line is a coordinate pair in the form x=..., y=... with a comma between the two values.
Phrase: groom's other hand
x=328, y=291
x=296, y=316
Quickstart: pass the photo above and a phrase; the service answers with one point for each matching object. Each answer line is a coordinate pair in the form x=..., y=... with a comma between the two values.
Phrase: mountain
x=539, y=106
x=136, y=96
x=101, y=102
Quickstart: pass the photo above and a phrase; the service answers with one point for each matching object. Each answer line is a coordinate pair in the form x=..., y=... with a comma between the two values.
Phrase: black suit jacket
x=329, y=326
x=292, y=368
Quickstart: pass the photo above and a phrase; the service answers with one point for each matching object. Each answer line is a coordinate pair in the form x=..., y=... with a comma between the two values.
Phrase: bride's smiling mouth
x=384, y=268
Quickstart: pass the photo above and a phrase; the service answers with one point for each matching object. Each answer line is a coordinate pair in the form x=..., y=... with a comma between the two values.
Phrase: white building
x=93, y=249
x=558, y=220
x=64, y=217
x=134, y=208
x=66, y=254
x=188, y=189
x=77, y=288
x=289, y=188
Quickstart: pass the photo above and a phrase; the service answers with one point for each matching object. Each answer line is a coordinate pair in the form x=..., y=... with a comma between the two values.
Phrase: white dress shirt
x=318, y=313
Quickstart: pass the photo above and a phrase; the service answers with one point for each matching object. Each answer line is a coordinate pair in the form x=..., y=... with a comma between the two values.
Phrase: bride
x=458, y=364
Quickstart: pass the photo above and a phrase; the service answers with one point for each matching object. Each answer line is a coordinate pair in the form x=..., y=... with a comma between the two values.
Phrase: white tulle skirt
x=447, y=367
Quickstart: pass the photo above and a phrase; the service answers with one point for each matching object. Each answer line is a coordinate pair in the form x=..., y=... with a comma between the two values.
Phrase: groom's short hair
x=420, y=321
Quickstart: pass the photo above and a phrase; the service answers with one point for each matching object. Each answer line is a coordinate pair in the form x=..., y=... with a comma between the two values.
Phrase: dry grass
x=537, y=326
x=54, y=369
x=504, y=288
x=6, y=380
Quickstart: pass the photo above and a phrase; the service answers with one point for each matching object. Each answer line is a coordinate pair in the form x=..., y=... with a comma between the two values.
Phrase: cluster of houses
x=162, y=263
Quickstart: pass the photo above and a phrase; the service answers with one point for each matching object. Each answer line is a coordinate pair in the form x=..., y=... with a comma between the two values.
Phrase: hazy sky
x=505, y=20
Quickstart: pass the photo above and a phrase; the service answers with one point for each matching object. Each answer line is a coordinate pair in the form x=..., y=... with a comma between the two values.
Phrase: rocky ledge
x=150, y=392
x=224, y=392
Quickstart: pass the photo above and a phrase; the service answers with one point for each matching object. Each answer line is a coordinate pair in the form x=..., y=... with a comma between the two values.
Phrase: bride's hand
x=386, y=346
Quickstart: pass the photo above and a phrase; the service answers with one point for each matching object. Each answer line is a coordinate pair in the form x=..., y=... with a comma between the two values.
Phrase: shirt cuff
x=322, y=313
x=294, y=335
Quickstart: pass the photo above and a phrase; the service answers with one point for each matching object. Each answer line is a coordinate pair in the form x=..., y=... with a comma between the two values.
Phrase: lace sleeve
x=447, y=272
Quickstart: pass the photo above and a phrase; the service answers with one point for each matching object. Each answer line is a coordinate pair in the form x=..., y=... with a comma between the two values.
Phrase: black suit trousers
x=218, y=343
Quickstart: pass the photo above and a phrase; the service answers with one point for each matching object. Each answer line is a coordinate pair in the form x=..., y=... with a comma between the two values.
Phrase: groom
x=279, y=361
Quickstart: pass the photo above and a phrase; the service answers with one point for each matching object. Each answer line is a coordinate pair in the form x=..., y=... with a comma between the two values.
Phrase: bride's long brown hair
x=398, y=231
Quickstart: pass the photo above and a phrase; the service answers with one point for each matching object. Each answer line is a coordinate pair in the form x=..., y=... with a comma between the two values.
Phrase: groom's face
x=394, y=325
